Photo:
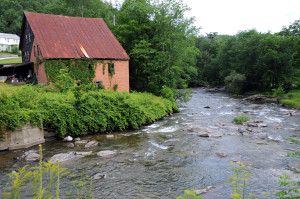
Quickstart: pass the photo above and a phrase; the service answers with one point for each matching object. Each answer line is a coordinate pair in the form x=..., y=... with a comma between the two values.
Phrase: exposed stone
x=62, y=157
x=68, y=139
x=221, y=154
x=203, y=134
x=252, y=124
x=172, y=140
x=249, y=129
x=199, y=128
x=107, y=153
x=77, y=139
x=32, y=157
x=242, y=131
x=92, y=143
x=110, y=136
x=218, y=135
x=81, y=142
x=205, y=190
x=99, y=176
x=71, y=145
x=261, y=135
x=294, y=166
x=207, y=107
x=262, y=125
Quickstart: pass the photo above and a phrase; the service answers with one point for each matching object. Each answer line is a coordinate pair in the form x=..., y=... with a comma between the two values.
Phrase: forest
x=165, y=48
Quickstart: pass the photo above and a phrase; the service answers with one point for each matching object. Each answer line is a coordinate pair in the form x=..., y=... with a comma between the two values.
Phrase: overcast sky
x=231, y=16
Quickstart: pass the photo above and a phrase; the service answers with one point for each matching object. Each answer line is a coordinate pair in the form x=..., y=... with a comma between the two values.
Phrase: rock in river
x=221, y=154
x=68, y=139
x=92, y=143
x=61, y=157
x=106, y=153
x=32, y=157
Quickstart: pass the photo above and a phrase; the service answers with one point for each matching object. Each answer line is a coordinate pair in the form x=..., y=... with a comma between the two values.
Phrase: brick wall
x=121, y=76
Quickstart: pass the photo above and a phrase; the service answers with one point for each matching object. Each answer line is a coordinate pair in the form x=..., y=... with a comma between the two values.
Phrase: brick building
x=55, y=37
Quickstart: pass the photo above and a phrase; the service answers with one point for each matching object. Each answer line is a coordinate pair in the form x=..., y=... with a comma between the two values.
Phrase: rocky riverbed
x=189, y=150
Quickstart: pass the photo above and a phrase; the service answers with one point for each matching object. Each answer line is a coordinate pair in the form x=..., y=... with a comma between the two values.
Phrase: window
x=34, y=50
x=38, y=50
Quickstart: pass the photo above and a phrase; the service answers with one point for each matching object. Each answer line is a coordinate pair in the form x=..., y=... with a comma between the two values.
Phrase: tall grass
x=294, y=100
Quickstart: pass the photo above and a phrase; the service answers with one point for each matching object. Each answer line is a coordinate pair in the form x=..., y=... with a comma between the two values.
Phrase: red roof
x=74, y=37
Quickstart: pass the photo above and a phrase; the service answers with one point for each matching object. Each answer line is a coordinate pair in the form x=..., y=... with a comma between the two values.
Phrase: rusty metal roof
x=62, y=37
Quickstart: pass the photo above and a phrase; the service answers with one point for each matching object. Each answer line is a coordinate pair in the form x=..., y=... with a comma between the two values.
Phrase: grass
x=241, y=119
x=294, y=100
x=11, y=61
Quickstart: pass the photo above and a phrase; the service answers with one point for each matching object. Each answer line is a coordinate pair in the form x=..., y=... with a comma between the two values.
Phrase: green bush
x=77, y=111
x=241, y=119
x=235, y=82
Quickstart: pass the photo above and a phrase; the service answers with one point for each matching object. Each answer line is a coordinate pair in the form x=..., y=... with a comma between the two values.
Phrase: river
x=163, y=159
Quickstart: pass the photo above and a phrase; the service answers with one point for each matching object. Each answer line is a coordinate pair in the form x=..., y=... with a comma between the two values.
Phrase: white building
x=7, y=41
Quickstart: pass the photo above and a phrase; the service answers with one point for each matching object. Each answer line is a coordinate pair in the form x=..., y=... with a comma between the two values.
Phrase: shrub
x=235, y=82
x=77, y=111
x=241, y=119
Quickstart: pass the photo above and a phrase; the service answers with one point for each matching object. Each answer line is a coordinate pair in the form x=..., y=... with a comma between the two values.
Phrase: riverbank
x=79, y=111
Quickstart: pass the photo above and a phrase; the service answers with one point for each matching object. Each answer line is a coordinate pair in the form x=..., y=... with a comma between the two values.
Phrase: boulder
x=218, y=135
x=32, y=157
x=68, y=139
x=81, y=142
x=99, y=176
x=252, y=124
x=262, y=125
x=71, y=145
x=221, y=154
x=205, y=190
x=92, y=143
x=110, y=136
x=77, y=139
x=107, y=153
x=203, y=134
x=62, y=157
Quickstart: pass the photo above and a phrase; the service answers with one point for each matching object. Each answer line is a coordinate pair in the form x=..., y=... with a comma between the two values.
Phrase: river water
x=163, y=159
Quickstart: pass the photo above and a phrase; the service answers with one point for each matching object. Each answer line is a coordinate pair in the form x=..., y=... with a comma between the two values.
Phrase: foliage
x=64, y=81
x=264, y=61
x=82, y=70
x=183, y=95
x=80, y=109
x=190, y=194
x=294, y=100
x=239, y=180
x=291, y=188
x=241, y=119
x=44, y=179
x=115, y=87
x=160, y=42
x=235, y=82
x=15, y=50
x=279, y=92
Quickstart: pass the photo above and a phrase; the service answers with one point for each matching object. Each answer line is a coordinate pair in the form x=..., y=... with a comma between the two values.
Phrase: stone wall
x=22, y=138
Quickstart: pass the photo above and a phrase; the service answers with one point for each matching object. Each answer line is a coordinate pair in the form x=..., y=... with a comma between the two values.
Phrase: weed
x=241, y=119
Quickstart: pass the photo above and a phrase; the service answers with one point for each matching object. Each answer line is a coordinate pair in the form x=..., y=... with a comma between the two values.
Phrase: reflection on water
x=162, y=159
